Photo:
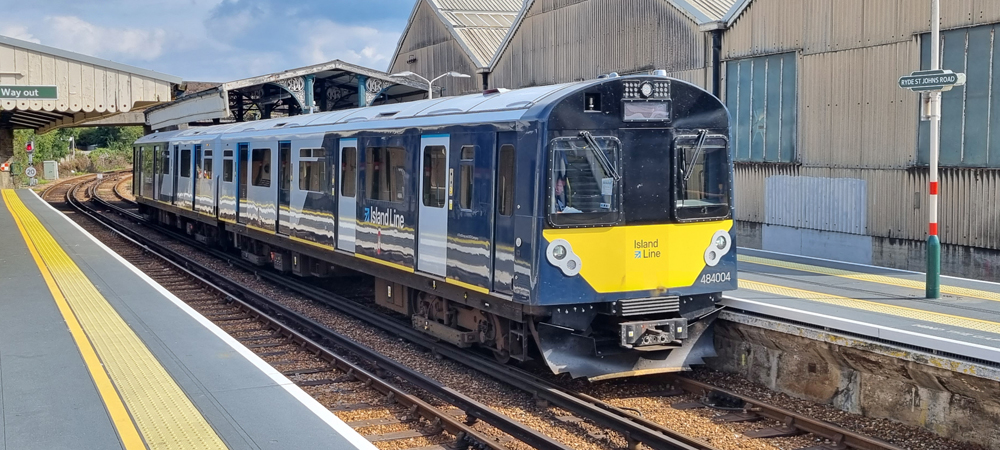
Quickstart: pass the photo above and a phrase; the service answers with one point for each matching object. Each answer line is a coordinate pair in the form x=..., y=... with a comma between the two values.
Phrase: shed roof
x=87, y=88
x=479, y=26
x=708, y=14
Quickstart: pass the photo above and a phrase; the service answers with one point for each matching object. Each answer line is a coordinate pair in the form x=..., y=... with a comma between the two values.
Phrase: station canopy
x=322, y=87
x=43, y=88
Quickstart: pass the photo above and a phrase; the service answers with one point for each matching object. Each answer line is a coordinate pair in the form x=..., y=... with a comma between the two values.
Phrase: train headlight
x=721, y=243
x=560, y=254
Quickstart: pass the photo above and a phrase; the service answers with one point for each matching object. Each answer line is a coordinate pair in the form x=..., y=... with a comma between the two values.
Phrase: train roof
x=514, y=103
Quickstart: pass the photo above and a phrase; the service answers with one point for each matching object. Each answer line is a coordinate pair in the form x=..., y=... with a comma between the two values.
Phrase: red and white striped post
x=933, y=286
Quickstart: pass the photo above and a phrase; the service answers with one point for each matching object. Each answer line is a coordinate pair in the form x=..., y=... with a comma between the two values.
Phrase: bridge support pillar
x=362, y=89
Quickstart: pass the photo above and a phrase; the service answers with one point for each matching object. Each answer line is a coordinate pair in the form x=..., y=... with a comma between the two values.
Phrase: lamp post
x=430, y=83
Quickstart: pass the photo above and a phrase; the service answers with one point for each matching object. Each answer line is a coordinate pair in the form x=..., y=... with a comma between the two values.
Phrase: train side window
x=435, y=185
x=312, y=170
x=260, y=167
x=373, y=172
x=166, y=160
x=505, y=202
x=185, y=163
x=227, y=170
x=208, y=165
x=465, y=180
x=396, y=176
x=348, y=171
x=386, y=169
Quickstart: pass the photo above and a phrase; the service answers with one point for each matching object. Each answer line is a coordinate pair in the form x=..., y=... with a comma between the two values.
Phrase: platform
x=94, y=354
x=885, y=305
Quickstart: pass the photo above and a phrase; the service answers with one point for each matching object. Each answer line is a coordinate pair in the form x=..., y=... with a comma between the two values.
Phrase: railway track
x=382, y=411
x=581, y=407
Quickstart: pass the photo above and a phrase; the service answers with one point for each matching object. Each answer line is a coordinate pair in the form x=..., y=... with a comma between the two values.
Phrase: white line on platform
x=863, y=265
x=310, y=403
x=931, y=342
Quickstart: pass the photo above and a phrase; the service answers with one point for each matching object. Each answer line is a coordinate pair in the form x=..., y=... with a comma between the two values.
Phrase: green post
x=933, y=267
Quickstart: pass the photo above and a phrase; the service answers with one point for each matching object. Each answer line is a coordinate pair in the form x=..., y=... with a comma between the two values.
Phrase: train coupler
x=652, y=334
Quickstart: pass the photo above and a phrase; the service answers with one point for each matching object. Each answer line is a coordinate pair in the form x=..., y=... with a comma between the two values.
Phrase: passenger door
x=242, y=174
x=432, y=217
x=503, y=214
x=347, y=212
x=284, y=187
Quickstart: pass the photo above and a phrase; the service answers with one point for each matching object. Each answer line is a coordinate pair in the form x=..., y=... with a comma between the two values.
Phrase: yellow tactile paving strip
x=875, y=307
x=165, y=417
x=872, y=278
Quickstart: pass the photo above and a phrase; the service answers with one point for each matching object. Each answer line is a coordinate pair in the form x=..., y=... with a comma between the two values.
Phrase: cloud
x=215, y=40
x=78, y=35
x=367, y=46
x=19, y=32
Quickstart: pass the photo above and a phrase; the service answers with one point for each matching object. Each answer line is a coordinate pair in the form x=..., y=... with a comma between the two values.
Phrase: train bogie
x=592, y=220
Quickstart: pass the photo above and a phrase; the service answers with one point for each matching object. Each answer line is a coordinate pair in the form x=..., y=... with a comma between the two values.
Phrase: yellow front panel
x=641, y=258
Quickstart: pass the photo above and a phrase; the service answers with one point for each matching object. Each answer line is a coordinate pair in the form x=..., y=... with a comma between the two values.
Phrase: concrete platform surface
x=881, y=303
x=94, y=354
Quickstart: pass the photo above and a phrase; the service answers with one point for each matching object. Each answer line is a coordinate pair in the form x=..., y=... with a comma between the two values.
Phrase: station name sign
x=28, y=92
x=931, y=80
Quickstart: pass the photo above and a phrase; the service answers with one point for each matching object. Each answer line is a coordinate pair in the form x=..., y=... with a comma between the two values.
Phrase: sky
x=214, y=40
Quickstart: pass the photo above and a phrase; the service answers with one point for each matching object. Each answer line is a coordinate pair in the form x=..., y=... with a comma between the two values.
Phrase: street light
x=430, y=83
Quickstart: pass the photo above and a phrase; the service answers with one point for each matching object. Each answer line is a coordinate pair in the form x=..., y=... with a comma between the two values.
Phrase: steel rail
x=622, y=421
x=635, y=429
x=839, y=435
x=309, y=329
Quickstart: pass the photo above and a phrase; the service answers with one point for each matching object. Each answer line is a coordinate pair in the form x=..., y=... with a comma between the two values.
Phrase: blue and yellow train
x=588, y=224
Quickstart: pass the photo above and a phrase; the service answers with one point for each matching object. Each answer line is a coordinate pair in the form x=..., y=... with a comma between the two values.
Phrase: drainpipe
x=717, y=63
x=486, y=81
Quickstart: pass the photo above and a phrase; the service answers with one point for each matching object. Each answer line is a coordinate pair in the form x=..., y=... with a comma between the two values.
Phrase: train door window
x=227, y=166
x=435, y=178
x=312, y=169
x=465, y=180
x=207, y=169
x=156, y=159
x=260, y=167
x=349, y=171
x=505, y=204
x=185, y=163
x=285, y=165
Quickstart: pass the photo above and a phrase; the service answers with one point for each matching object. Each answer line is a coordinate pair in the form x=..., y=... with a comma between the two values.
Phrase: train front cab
x=637, y=231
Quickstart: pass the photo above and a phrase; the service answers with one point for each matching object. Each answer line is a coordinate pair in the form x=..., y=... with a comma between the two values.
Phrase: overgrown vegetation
x=113, y=150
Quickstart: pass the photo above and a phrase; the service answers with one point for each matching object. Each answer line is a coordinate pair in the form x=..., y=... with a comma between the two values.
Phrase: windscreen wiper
x=702, y=135
x=601, y=157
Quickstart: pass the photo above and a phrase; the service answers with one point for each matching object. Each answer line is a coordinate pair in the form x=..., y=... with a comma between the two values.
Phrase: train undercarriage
x=596, y=341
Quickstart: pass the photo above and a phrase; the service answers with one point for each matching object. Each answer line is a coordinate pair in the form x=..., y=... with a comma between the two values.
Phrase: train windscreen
x=584, y=187
x=702, y=177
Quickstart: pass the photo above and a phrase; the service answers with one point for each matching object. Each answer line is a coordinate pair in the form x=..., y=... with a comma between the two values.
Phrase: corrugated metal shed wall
x=436, y=52
x=606, y=36
x=855, y=123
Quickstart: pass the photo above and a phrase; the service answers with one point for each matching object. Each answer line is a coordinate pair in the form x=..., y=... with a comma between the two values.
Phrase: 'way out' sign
x=28, y=92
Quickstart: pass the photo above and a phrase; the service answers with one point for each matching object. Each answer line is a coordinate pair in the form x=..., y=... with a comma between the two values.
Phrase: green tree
x=53, y=146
